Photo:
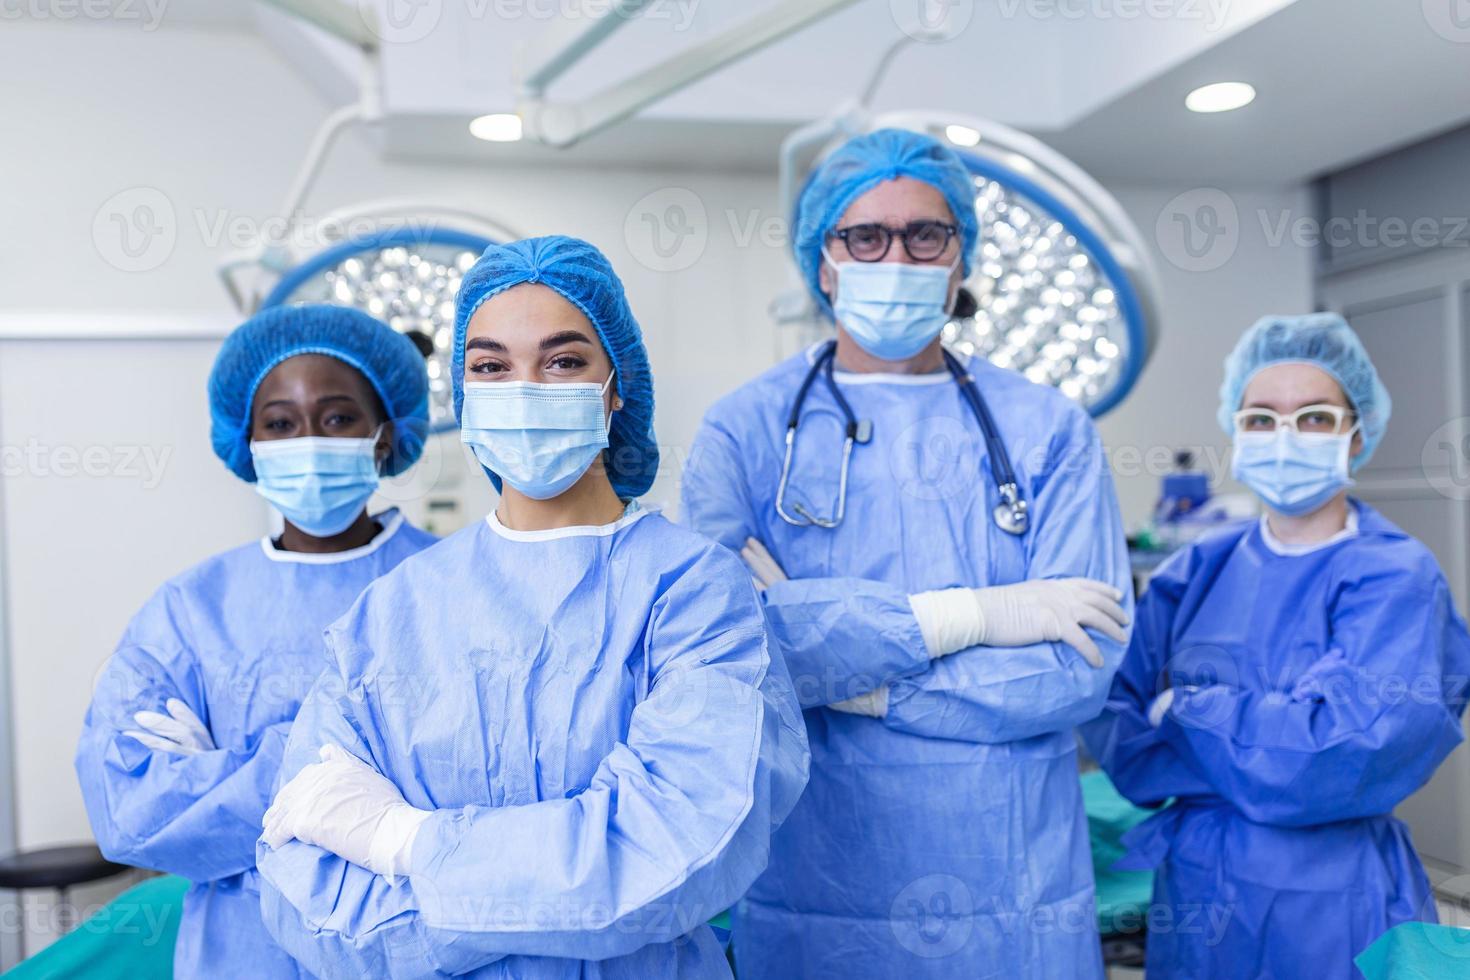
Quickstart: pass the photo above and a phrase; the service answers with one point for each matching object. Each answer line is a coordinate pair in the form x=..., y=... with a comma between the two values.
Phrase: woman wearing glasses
x=1289, y=683
x=943, y=567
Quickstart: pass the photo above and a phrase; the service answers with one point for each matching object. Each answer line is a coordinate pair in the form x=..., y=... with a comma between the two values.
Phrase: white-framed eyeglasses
x=1327, y=419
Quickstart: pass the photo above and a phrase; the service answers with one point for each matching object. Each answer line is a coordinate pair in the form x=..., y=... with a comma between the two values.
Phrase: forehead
x=897, y=201
x=1290, y=385
x=527, y=309
x=313, y=375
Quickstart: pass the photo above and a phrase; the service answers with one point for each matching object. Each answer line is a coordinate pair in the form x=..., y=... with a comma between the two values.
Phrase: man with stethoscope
x=943, y=565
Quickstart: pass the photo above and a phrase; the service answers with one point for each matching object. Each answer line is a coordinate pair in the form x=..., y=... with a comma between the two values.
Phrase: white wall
x=216, y=124
x=1204, y=313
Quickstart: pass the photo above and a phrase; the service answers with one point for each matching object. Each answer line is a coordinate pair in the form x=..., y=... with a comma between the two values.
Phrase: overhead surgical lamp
x=404, y=272
x=1064, y=289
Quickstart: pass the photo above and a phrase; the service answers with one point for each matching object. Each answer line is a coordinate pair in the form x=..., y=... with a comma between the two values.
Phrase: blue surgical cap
x=389, y=360
x=1323, y=340
x=863, y=163
x=583, y=277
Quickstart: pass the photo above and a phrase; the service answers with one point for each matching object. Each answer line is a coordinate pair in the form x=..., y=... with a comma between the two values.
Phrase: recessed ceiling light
x=1220, y=97
x=498, y=127
x=962, y=135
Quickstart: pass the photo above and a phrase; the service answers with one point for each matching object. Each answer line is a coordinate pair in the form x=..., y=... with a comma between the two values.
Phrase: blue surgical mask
x=1292, y=472
x=320, y=484
x=539, y=438
x=892, y=309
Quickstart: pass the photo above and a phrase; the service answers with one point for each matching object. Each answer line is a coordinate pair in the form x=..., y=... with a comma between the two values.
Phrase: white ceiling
x=1102, y=80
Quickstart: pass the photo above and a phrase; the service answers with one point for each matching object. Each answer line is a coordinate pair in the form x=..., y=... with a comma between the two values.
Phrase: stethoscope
x=1010, y=514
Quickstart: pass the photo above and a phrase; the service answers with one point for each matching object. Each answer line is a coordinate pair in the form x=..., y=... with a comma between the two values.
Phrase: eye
x=277, y=425
x=1257, y=422
x=1316, y=422
x=929, y=233
x=567, y=362
x=487, y=366
x=339, y=419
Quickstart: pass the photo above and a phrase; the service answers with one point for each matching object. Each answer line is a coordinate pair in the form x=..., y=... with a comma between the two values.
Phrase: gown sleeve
x=673, y=828
x=1002, y=694
x=1143, y=765
x=196, y=816
x=841, y=637
x=1363, y=729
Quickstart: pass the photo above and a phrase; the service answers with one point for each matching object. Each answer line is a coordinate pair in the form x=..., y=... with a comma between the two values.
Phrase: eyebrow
x=565, y=337
x=547, y=343
x=1306, y=404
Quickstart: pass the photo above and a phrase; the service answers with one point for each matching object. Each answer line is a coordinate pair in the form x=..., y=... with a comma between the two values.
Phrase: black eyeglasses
x=924, y=241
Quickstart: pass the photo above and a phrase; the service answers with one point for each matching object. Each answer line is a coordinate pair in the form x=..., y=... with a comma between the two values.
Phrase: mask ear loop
x=381, y=462
x=603, y=394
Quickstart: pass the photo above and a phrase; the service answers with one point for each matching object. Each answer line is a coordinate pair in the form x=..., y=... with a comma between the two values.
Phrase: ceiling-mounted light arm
x=367, y=109
x=351, y=22
x=568, y=41
x=561, y=124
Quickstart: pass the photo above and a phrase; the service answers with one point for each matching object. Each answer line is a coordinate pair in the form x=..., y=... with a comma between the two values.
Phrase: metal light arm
x=564, y=123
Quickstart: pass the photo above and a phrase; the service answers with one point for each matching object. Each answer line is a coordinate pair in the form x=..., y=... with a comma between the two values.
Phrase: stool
x=61, y=868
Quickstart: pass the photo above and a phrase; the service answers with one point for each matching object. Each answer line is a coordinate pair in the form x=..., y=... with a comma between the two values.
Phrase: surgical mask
x=539, y=438
x=1294, y=473
x=319, y=484
x=892, y=309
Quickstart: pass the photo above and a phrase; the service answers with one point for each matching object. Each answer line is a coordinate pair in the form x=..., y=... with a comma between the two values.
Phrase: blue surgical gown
x=238, y=638
x=606, y=742
x=947, y=839
x=1313, y=693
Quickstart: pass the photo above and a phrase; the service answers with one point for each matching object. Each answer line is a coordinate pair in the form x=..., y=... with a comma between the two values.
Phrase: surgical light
x=1220, y=97
x=1064, y=291
x=405, y=276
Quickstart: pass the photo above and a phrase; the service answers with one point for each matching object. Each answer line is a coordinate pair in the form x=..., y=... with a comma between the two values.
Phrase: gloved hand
x=874, y=704
x=180, y=731
x=1160, y=708
x=1038, y=611
x=763, y=567
x=346, y=806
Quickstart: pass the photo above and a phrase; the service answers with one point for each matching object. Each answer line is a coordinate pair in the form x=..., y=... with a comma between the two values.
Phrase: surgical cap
x=1323, y=340
x=387, y=359
x=863, y=163
x=583, y=277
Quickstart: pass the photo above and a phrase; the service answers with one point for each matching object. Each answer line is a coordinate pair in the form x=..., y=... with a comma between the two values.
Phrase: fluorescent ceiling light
x=1220, y=97
x=498, y=127
x=962, y=135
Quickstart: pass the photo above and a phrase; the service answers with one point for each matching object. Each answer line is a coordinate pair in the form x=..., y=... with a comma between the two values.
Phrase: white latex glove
x=346, y=806
x=180, y=731
x=874, y=704
x=1038, y=611
x=1160, y=708
x=763, y=567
